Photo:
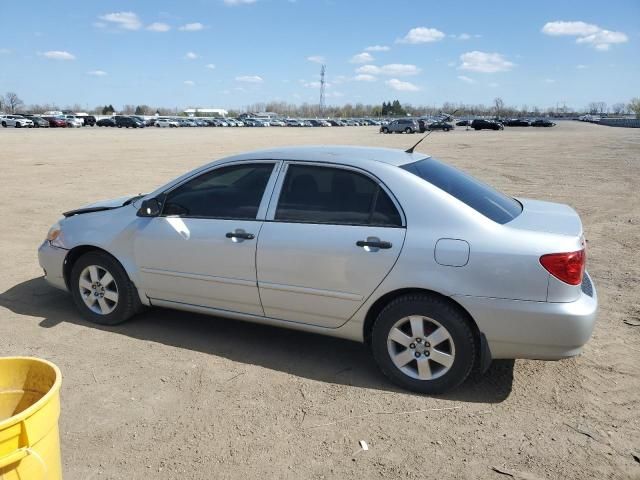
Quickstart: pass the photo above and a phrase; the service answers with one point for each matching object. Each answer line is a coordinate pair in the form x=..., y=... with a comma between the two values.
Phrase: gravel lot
x=174, y=395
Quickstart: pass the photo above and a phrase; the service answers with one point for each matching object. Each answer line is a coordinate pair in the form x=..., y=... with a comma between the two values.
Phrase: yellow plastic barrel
x=29, y=412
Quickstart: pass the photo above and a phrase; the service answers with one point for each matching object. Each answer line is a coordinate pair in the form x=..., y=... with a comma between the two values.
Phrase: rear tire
x=408, y=130
x=423, y=343
x=385, y=130
x=101, y=289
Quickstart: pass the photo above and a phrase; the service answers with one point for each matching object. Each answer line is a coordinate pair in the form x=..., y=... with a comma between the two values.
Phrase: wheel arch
x=484, y=354
x=76, y=252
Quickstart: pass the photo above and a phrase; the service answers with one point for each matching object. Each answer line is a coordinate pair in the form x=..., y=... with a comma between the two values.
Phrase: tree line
x=12, y=103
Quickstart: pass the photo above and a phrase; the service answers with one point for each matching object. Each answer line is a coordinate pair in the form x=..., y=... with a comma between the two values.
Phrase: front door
x=202, y=249
x=332, y=238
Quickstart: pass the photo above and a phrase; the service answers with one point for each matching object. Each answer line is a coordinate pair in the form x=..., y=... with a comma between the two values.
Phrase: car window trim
x=273, y=205
x=264, y=202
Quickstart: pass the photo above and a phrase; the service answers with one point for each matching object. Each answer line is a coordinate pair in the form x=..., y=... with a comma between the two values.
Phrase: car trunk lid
x=548, y=217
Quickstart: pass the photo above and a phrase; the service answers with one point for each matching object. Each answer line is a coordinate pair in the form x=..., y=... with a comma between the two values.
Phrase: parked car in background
x=89, y=120
x=541, y=122
x=73, y=121
x=56, y=122
x=16, y=121
x=106, y=122
x=274, y=122
x=435, y=271
x=482, y=124
x=165, y=122
x=463, y=123
x=128, y=122
x=38, y=122
x=401, y=125
x=440, y=125
x=336, y=123
x=517, y=122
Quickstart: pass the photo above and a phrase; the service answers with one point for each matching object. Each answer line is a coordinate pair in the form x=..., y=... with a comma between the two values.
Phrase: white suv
x=16, y=121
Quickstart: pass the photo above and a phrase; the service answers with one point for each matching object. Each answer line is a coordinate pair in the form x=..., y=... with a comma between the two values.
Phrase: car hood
x=98, y=206
x=547, y=217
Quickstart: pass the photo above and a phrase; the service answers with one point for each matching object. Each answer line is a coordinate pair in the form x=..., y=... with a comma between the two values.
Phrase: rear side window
x=226, y=192
x=313, y=194
x=479, y=196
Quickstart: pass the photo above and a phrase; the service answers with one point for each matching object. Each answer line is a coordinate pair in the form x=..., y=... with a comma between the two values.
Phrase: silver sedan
x=434, y=270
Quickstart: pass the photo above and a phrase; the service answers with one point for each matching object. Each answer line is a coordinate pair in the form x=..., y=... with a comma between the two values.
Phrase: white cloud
x=249, y=79
x=189, y=83
x=233, y=3
x=493, y=84
x=485, y=62
x=549, y=80
x=581, y=67
x=192, y=27
x=316, y=58
x=603, y=39
x=315, y=84
x=466, y=79
x=97, y=73
x=210, y=66
x=191, y=56
x=392, y=69
x=59, y=55
x=364, y=78
x=363, y=57
x=422, y=35
x=124, y=20
x=588, y=33
x=401, y=86
x=377, y=48
x=569, y=28
x=158, y=27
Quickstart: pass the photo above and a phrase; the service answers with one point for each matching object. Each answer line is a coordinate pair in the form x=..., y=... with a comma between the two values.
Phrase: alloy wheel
x=421, y=347
x=98, y=290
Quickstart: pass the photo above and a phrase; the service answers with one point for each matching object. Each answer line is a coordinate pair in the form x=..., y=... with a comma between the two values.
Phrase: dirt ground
x=172, y=395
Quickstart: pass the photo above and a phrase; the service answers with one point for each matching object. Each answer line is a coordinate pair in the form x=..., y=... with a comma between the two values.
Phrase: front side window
x=314, y=194
x=227, y=192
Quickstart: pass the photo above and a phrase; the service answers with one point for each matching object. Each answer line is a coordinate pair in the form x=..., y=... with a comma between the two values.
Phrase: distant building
x=213, y=112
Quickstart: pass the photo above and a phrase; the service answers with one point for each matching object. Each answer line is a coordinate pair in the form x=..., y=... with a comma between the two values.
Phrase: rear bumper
x=535, y=330
x=52, y=261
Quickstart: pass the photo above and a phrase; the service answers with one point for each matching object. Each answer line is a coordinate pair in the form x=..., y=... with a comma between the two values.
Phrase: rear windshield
x=479, y=196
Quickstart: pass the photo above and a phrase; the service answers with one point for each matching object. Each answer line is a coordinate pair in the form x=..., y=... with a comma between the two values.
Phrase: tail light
x=568, y=267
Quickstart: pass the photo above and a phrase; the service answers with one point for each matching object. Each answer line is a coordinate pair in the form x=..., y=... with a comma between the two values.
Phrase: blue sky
x=231, y=53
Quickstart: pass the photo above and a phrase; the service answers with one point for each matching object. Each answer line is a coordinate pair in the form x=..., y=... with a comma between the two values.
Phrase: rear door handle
x=374, y=244
x=242, y=235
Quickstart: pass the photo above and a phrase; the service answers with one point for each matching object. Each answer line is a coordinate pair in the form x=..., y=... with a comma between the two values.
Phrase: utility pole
x=322, y=87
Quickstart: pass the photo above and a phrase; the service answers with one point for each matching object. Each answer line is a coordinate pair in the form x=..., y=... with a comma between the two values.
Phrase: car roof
x=338, y=154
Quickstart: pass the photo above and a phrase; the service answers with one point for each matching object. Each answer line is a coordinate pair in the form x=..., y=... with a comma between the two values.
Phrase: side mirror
x=150, y=208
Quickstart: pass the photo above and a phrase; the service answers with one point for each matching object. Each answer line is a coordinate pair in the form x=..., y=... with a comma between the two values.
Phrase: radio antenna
x=410, y=150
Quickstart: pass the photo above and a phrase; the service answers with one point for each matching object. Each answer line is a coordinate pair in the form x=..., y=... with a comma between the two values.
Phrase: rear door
x=332, y=235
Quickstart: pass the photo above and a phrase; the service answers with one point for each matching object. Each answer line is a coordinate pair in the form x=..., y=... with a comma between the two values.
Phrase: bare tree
x=498, y=104
x=634, y=106
x=618, y=108
x=13, y=102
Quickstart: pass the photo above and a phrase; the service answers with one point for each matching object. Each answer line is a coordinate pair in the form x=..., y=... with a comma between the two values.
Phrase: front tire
x=423, y=343
x=408, y=130
x=102, y=290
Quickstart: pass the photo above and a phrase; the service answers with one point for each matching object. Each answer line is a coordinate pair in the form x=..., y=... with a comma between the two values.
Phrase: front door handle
x=242, y=235
x=374, y=244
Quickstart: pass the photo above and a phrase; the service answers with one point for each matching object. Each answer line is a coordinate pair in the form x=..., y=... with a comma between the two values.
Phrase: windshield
x=479, y=196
